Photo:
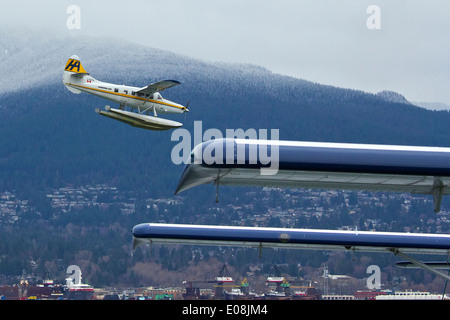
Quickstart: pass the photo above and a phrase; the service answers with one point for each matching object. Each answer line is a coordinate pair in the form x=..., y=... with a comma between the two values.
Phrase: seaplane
x=141, y=100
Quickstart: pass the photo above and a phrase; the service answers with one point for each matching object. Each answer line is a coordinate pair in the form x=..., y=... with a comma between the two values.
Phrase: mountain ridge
x=48, y=54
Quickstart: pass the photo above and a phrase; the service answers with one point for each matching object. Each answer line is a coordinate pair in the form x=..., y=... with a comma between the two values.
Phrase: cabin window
x=133, y=93
x=116, y=90
x=125, y=91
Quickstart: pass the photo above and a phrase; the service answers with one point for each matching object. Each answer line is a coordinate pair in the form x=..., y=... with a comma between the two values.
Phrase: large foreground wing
x=421, y=170
x=258, y=237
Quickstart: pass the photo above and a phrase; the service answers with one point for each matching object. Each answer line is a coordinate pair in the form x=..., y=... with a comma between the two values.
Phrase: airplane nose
x=187, y=106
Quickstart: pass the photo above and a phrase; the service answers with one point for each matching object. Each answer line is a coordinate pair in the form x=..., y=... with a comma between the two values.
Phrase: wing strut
x=217, y=190
x=438, y=190
x=420, y=264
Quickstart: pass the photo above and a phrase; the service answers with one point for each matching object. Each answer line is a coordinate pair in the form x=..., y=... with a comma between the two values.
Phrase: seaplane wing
x=258, y=237
x=400, y=244
x=158, y=86
x=420, y=170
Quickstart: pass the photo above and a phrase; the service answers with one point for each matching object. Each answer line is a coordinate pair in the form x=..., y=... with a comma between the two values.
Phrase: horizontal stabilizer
x=72, y=89
x=139, y=120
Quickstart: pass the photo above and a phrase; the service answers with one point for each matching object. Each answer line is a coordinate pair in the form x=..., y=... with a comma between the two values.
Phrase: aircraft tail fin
x=73, y=65
x=72, y=69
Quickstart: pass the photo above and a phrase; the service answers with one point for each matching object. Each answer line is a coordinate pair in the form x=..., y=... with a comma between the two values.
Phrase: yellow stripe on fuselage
x=127, y=96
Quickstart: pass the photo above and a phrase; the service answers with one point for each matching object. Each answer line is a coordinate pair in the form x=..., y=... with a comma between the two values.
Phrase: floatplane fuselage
x=142, y=101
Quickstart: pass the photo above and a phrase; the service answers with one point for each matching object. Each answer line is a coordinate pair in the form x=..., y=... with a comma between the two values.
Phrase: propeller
x=187, y=109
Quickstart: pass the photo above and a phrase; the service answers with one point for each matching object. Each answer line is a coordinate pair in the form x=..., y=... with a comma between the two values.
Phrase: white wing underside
x=333, y=180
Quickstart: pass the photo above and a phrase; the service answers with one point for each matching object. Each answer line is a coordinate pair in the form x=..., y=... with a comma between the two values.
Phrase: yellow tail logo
x=74, y=65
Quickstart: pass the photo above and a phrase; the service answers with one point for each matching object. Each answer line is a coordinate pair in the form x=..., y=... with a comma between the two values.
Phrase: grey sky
x=325, y=41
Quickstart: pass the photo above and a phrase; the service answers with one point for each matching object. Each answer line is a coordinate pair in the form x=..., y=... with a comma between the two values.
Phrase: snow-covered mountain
x=392, y=96
x=31, y=59
x=67, y=142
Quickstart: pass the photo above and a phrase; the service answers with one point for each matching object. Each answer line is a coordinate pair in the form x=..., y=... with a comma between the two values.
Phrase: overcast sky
x=326, y=41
